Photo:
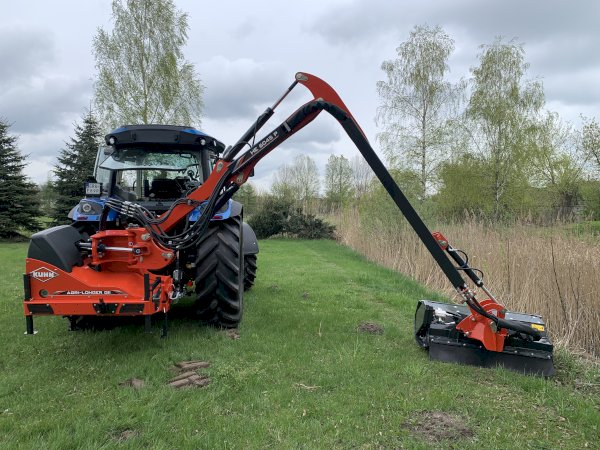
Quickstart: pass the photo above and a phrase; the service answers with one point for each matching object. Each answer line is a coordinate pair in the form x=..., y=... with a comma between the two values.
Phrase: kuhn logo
x=43, y=274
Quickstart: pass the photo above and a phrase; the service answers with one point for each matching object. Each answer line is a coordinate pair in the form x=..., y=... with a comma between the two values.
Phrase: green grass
x=61, y=390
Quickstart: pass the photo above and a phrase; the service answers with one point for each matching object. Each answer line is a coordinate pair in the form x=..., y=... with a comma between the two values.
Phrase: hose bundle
x=192, y=231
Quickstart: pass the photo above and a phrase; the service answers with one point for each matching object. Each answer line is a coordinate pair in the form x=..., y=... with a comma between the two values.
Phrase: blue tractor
x=156, y=166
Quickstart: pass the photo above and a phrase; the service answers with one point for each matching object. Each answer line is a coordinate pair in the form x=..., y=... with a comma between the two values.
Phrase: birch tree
x=142, y=75
x=418, y=104
x=338, y=181
x=504, y=108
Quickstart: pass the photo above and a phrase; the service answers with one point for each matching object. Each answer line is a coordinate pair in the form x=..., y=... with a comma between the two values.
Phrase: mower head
x=436, y=329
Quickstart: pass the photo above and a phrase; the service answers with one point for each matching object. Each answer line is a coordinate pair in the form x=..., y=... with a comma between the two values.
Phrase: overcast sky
x=247, y=53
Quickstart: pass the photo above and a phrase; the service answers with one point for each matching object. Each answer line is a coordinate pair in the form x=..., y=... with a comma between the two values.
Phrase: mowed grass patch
x=300, y=376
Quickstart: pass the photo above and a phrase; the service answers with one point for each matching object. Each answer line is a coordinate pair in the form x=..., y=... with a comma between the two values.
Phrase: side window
x=103, y=176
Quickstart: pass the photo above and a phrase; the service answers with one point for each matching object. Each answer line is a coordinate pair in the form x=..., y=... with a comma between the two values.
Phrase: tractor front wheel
x=220, y=274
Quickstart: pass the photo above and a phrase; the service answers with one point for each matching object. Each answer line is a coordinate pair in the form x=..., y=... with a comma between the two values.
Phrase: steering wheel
x=193, y=174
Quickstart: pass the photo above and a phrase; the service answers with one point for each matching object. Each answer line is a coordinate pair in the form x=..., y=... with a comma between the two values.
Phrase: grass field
x=300, y=376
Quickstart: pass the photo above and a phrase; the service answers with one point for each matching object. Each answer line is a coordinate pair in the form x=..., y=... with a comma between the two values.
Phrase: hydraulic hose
x=520, y=327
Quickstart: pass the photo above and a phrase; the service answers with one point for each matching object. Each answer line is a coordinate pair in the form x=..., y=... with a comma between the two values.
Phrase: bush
x=279, y=216
x=307, y=226
x=270, y=218
x=590, y=191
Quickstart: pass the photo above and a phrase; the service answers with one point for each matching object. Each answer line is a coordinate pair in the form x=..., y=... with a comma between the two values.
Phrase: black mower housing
x=435, y=330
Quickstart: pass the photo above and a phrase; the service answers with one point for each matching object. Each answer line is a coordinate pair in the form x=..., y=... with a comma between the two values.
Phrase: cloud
x=365, y=20
x=24, y=53
x=40, y=170
x=31, y=99
x=559, y=38
x=324, y=130
x=578, y=88
x=558, y=56
x=246, y=27
x=572, y=113
x=38, y=105
x=241, y=87
x=514, y=18
x=44, y=144
x=360, y=22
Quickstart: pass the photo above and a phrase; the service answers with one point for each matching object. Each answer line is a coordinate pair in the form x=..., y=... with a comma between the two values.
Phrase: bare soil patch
x=233, y=333
x=134, y=383
x=124, y=435
x=369, y=327
x=436, y=426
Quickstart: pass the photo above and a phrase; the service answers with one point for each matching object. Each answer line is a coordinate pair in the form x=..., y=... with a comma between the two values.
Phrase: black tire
x=249, y=271
x=220, y=274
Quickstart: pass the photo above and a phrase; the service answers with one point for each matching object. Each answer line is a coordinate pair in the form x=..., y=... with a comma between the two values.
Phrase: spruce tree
x=75, y=166
x=19, y=206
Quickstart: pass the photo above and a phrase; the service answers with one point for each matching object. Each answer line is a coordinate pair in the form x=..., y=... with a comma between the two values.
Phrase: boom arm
x=231, y=172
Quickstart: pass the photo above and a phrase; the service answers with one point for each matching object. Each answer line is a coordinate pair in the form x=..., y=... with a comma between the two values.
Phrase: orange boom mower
x=140, y=260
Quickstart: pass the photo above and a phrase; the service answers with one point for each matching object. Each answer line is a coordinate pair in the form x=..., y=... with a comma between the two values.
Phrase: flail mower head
x=481, y=333
x=437, y=330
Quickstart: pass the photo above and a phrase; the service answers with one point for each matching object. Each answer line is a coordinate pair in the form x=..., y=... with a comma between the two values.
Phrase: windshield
x=143, y=158
x=147, y=174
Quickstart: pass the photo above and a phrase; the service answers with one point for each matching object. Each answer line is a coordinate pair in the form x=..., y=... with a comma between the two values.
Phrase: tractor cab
x=152, y=165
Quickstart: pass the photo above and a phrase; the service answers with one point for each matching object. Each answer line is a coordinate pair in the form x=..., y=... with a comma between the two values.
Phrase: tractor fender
x=250, y=241
x=72, y=212
x=236, y=209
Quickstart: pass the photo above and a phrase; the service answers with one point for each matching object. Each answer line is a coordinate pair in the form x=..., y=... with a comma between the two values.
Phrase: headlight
x=86, y=208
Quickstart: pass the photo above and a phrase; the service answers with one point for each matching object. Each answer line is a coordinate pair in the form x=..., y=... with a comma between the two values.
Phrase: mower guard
x=435, y=331
x=87, y=292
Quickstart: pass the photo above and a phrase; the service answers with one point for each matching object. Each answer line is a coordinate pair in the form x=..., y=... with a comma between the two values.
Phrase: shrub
x=307, y=226
x=279, y=216
x=270, y=217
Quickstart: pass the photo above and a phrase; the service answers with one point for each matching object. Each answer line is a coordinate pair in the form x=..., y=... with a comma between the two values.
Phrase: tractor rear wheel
x=249, y=271
x=220, y=274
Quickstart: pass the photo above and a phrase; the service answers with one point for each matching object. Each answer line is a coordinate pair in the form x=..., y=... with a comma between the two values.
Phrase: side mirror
x=251, y=173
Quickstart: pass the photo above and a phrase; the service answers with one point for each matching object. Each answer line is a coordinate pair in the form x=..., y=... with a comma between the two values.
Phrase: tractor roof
x=162, y=134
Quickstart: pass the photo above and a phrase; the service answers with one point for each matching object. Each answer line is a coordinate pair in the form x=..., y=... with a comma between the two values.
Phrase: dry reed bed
x=529, y=269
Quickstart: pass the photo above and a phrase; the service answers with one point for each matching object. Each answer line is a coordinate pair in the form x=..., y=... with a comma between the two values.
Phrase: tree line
x=483, y=145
